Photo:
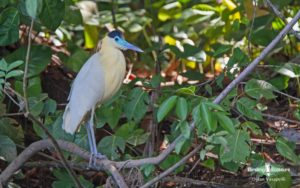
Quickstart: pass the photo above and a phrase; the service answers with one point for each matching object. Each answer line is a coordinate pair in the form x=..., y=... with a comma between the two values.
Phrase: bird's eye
x=116, y=39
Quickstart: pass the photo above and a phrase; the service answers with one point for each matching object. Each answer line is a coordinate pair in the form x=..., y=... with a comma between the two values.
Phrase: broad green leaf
x=185, y=129
x=291, y=70
x=169, y=161
x=280, y=82
x=286, y=151
x=246, y=107
x=40, y=57
x=225, y=122
x=110, y=114
x=14, y=65
x=52, y=13
x=2, y=74
x=209, y=163
x=9, y=26
x=181, y=108
x=138, y=137
x=137, y=106
x=76, y=60
x=263, y=36
x=125, y=130
x=170, y=11
x=64, y=180
x=253, y=127
x=110, y=145
x=187, y=90
x=10, y=127
x=3, y=65
x=72, y=15
x=259, y=88
x=279, y=178
x=148, y=169
x=206, y=117
x=33, y=7
x=8, y=149
x=14, y=73
x=3, y=3
x=221, y=50
x=238, y=57
x=166, y=107
x=49, y=107
x=237, y=149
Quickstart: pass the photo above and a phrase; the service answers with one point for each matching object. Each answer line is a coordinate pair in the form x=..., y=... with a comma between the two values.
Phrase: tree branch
x=35, y=147
x=172, y=168
x=253, y=64
x=280, y=15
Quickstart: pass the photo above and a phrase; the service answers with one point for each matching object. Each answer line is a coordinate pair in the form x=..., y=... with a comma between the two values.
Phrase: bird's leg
x=92, y=140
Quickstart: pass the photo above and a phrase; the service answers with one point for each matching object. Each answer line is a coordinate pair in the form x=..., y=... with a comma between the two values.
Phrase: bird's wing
x=86, y=91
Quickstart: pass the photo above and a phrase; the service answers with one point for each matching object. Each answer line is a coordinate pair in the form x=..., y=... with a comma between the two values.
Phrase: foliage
x=191, y=39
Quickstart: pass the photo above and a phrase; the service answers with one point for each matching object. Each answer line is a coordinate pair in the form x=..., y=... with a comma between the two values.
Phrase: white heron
x=97, y=81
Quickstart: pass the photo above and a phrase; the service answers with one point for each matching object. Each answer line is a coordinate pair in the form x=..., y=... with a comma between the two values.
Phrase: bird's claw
x=93, y=159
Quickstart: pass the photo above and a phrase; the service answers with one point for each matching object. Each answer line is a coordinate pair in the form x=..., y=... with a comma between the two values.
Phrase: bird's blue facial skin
x=126, y=45
x=117, y=36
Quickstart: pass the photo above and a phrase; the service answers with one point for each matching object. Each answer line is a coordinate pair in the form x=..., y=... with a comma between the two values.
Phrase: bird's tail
x=70, y=121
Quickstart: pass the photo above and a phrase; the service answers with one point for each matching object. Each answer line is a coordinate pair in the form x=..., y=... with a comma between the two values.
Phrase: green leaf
x=49, y=107
x=9, y=26
x=64, y=180
x=110, y=145
x=284, y=148
x=8, y=149
x=246, y=107
x=181, y=108
x=253, y=127
x=138, y=137
x=187, y=90
x=33, y=7
x=148, y=169
x=40, y=57
x=278, y=177
x=170, y=11
x=280, y=82
x=291, y=70
x=3, y=3
x=263, y=36
x=52, y=13
x=169, y=161
x=3, y=65
x=209, y=163
x=14, y=65
x=14, y=73
x=225, y=122
x=125, y=130
x=259, y=88
x=72, y=15
x=2, y=74
x=166, y=107
x=10, y=127
x=237, y=149
x=206, y=117
x=137, y=105
x=185, y=129
x=221, y=50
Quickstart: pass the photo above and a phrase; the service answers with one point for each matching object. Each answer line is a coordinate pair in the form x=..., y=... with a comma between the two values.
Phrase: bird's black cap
x=115, y=33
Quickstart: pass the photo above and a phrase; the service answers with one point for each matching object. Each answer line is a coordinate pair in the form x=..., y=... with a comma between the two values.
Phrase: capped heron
x=97, y=81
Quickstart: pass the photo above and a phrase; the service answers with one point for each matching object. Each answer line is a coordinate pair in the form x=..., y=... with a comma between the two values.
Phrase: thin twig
x=281, y=16
x=26, y=69
x=172, y=168
x=252, y=66
x=281, y=118
x=27, y=113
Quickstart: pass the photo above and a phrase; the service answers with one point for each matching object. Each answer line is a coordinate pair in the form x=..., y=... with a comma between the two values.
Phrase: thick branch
x=67, y=146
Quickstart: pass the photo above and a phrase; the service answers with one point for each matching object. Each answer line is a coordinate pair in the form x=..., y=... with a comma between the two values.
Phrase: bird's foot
x=93, y=159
